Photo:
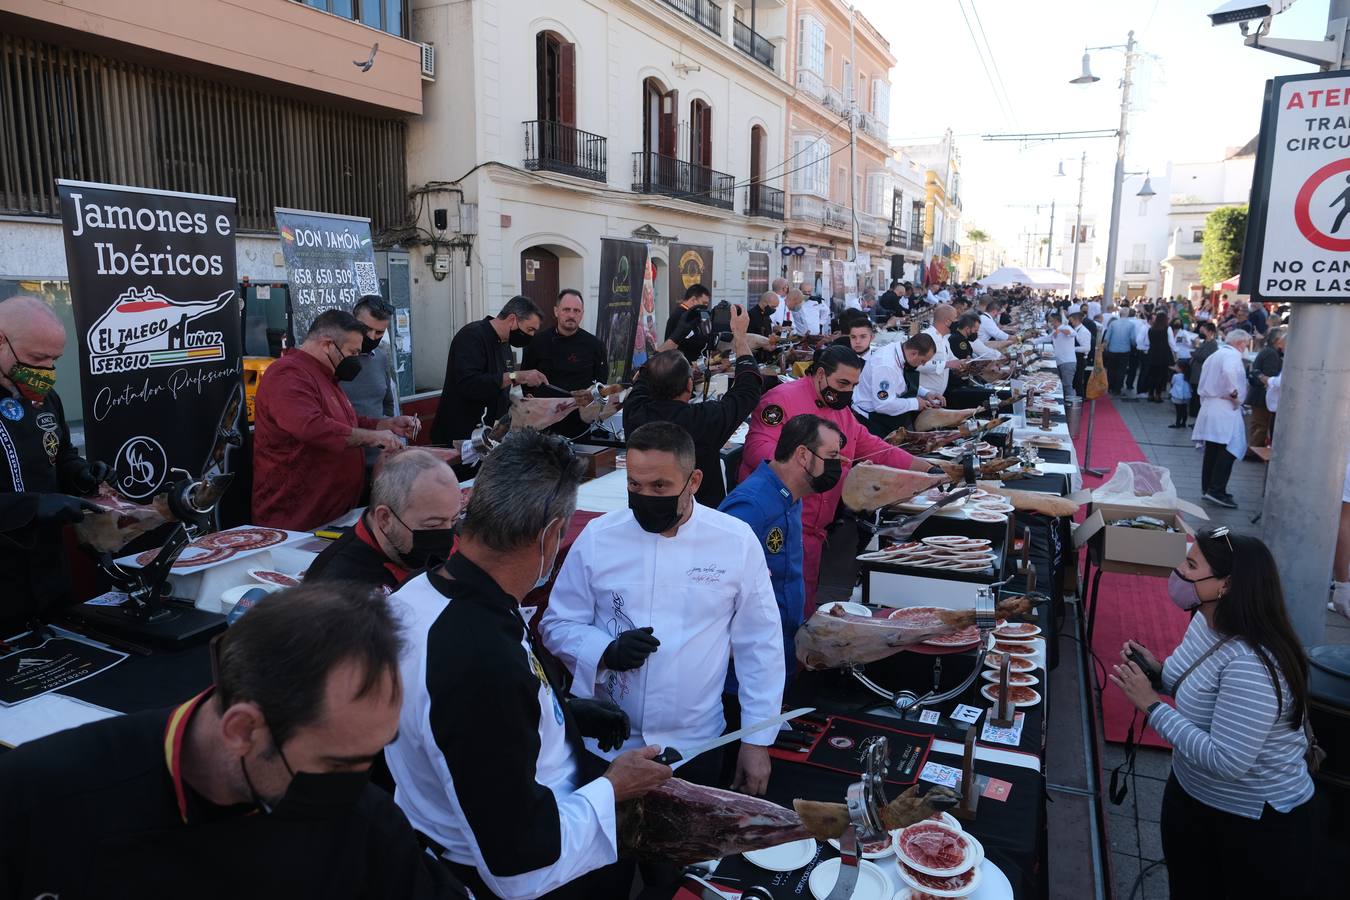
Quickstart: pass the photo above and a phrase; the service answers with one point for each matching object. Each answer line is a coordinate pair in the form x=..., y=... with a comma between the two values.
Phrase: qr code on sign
x=367, y=282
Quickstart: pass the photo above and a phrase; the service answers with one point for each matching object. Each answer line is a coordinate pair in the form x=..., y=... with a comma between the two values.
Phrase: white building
x=906, y=190
x=1084, y=234
x=1142, y=244
x=1197, y=190
x=552, y=123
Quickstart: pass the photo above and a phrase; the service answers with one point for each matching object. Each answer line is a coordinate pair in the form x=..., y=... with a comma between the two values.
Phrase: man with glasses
x=308, y=461
x=372, y=390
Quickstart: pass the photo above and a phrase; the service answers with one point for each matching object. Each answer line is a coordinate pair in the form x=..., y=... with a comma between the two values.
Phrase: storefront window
x=56, y=294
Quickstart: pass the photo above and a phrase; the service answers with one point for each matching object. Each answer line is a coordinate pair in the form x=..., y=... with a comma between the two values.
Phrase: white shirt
x=1082, y=339
x=1181, y=343
x=1064, y=342
x=1220, y=417
x=1094, y=309
x=1075, y=307
x=814, y=316
x=933, y=374
x=705, y=593
x=780, y=312
x=883, y=382
x=989, y=330
x=983, y=350
x=1141, y=327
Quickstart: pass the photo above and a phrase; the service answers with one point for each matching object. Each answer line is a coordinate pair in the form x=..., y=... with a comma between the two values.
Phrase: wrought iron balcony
x=898, y=237
x=1138, y=266
x=704, y=12
x=876, y=126
x=751, y=42
x=763, y=200
x=551, y=147
x=657, y=174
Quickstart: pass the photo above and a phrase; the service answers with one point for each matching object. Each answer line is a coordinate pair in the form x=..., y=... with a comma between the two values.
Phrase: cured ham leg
x=836, y=639
x=687, y=823
x=540, y=412
x=870, y=487
x=931, y=419
x=1046, y=504
x=988, y=468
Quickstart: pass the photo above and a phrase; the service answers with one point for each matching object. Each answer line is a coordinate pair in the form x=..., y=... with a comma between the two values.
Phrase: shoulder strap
x=1176, y=685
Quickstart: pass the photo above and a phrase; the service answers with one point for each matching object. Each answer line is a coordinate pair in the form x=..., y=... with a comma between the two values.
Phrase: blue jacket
x=1119, y=337
x=765, y=504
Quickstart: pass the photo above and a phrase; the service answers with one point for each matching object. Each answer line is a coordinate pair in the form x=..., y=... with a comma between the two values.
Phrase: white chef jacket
x=1181, y=343
x=1273, y=393
x=705, y=593
x=885, y=374
x=813, y=317
x=933, y=374
x=983, y=350
x=989, y=330
x=1064, y=342
x=1141, y=327
x=1094, y=309
x=1075, y=307
x=1082, y=339
x=1220, y=420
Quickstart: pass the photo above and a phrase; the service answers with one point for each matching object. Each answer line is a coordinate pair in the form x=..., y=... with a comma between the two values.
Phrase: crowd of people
x=395, y=727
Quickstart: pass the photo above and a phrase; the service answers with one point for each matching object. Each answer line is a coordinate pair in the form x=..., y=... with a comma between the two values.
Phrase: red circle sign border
x=1304, y=200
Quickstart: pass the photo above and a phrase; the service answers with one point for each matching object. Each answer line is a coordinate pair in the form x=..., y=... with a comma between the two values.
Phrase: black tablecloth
x=147, y=682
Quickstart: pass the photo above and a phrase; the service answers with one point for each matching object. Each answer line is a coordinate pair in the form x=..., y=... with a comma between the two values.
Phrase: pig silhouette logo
x=144, y=329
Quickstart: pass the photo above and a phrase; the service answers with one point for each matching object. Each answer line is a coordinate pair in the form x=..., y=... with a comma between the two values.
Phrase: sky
x=1197, y=91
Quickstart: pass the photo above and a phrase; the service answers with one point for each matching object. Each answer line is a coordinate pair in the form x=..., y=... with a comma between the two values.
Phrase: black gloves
x=59, y=509
x=630, y=650
x=936, y=470
x=87, y=480
x=691, y=323
x=601, y=720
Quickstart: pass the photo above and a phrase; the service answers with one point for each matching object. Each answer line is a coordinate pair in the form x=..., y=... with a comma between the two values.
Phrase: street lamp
x=1109, y=289
x=1078, y=222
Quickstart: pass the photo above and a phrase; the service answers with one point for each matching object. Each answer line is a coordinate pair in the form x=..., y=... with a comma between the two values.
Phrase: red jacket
x=304, y=474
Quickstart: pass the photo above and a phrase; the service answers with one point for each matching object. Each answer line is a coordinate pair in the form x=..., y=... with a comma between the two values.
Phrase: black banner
x=330, y=263
x=152, y=283
x=622, y=264
x=690, y=264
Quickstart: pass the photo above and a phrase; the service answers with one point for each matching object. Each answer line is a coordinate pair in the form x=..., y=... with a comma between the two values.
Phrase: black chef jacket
x=36, y=457
x=102, y=811
x=691, y=347
x=355, y=557
x=710, y=424
x=473, y=383
x=890, y=303
x=761, y=320
x=571, y=363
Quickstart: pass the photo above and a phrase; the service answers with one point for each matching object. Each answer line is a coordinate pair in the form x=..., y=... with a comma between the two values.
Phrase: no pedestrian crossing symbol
x=1298, y=233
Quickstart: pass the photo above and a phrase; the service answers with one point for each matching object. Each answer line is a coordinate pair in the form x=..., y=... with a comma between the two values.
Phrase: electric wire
x=993, y=60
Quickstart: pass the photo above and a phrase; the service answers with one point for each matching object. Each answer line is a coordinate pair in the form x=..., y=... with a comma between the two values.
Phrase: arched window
x=758, y=145
x=556, y=79
x=658, y=118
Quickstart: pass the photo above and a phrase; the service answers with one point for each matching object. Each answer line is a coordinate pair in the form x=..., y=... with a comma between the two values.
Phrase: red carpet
x=1130, y=606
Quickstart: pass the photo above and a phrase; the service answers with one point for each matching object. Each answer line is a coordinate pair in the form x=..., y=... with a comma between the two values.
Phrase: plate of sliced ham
x=966, y=637
x=1017, y=679
x=933, y=848
x=1015, y=663
x=1020, y=696
x=270, y=576
x=1016, y=648
x=917, y=616
x=1016, y=631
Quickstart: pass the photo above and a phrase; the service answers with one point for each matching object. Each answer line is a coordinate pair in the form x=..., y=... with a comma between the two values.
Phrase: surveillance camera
x=1245, y=10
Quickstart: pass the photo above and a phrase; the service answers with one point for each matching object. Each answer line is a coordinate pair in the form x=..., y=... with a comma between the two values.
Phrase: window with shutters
x=876, y=190
x=881, y=99
x=848, y=80
x=811, y=45
x=556, y=79
x=810, y=166
x=700, y=133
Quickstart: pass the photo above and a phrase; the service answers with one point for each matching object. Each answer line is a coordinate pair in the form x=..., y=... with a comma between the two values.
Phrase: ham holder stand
x=865, y=799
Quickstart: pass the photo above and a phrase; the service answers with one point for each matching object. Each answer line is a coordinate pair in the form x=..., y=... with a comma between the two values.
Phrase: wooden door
x=539, y=281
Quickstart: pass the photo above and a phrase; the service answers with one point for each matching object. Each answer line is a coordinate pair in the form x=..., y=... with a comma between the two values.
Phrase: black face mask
x=368, y=343
x=430, y=546
x=518, y=338
x=836, y=399
x=656, y=514
x=313, y=795
x=346, y=368
x=834, y=470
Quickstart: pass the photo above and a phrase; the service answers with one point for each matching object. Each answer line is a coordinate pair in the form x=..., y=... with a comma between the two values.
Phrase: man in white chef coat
x=933, y=374
x=653, y=600
x=989, y=329
x=1222, y=390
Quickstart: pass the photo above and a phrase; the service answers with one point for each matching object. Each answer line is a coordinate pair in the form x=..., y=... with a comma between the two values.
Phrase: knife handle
x=668, y=757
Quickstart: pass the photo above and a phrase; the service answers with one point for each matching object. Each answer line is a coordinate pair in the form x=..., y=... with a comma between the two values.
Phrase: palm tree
x=977, y=236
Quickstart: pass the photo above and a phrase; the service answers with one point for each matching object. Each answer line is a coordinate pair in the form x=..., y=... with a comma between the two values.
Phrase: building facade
x=941, y=162
x=837, y=75
x=199, y=96
x=908, y=192
x=1197, y=190
x=555, y=123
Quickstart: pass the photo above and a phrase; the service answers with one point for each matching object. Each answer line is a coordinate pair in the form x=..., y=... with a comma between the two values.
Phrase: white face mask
x=546, y=572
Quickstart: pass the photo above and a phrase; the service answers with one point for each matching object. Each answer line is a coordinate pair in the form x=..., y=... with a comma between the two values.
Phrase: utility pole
x=1077, y=228
x=852, y=130
x=1109, y=289
x=1050, y=235
x=1301, y=513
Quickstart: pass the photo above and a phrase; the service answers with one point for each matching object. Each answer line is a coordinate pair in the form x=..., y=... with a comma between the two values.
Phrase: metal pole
x=1077, y=233
x=1109, y=289
x=1301, y=514
x=1050, y=236
x=1087, y=443
x=852, y=130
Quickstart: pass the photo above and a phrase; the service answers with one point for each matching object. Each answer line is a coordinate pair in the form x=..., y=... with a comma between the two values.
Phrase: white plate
x=969, y=855
x=890, y=848
x=984, y=515
x=784, y=857
x=270, y=576
x=1029, y=630
x=231, y=596
x=969, y=891
x=856, y=609
x=872, y=883
x=990, y=693
x=1031, y=680
x=1029, y=664
x=992, y=884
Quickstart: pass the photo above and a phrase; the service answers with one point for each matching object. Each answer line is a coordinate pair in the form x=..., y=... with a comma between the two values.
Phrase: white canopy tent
x=1040, y=279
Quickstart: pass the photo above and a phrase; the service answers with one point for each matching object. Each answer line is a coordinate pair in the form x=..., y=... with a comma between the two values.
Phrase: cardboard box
x=1135, y=551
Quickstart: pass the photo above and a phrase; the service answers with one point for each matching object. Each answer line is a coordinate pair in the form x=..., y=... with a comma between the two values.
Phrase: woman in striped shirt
x=1236, y=820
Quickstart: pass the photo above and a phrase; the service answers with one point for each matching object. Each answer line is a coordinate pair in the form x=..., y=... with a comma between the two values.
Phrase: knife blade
x=672, y=755
x=903, y=531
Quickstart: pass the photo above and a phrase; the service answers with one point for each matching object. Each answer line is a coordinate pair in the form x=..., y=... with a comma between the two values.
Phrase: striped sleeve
x=1245, y=710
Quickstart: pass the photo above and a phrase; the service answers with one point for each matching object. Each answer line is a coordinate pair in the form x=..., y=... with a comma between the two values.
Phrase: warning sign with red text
x=1298, y=236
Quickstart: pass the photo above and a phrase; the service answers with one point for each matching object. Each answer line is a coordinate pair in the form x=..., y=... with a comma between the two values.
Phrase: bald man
x=933, y=374
x=41, y=476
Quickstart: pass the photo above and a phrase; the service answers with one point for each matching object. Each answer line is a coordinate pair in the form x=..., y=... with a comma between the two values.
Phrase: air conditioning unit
x=428, y=62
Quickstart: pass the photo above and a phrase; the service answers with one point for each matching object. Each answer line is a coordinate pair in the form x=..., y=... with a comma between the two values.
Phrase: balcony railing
x=875, y=126
x=870, y=225
x=657, y=174
x=763, y=200
x=916, y=241
x=811, y=82
x=809, y=209
x=551, y=147
x=897, y=237
x=838, y=217
x=751, y=42
x=1138, y=266
x=834, y=100
x=704, y=12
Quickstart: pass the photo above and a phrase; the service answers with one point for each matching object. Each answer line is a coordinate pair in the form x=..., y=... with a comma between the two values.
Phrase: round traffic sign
x=1322, y=205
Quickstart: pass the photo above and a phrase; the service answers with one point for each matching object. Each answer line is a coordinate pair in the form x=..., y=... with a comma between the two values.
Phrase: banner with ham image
x=153, y=291
x=621, y=307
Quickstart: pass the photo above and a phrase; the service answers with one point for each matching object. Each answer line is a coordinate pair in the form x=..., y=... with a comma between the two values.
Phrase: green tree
x=1221, y=253
x=977, y=237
